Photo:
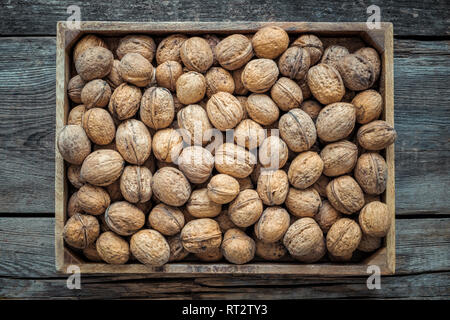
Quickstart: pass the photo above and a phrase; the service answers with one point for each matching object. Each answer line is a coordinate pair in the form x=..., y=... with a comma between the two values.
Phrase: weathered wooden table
x=27, y=125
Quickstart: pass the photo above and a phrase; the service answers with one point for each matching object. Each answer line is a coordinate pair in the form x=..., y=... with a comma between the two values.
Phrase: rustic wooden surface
x=27, y=120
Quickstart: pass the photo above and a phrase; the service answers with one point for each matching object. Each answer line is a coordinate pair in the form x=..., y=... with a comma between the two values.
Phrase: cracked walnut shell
x=81, y=230
x=312, y=44
x=201, y=235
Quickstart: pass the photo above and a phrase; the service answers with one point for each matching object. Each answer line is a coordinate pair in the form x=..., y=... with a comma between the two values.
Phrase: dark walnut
x=294, y=63
x=312, y=108
x=372, y=55
x=371, y=172
x=333, y=54
x=357, y=72
x=312, y=44
x=327, y=216
x=94, y=63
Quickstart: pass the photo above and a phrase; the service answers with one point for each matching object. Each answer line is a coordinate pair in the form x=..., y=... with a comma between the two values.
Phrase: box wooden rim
x=381, y=39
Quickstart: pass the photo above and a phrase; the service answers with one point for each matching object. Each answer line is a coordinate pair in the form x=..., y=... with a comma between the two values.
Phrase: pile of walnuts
x=224, y=148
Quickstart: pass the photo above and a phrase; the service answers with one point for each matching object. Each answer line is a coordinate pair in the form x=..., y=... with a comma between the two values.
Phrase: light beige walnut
x=135, y=184
x=303, y=203
x=169, y=185
x=76, y=115
x=339, y=158
x=273, y=187
x=246, y=208
x=194, y=124
x=234, y=160
x=201, y=235
x=237, y=247
x=99, y=126
x=124, y=218
x=287, y=94
x=73, y=144
x=125, y=101
x=133, y=141
x=196, y=163
x=270, y=42
x=298, y=130
x=224, y=110
x=94, y=63
x=234, y=51
x=343, y=237
x=166, y=219
x=81, y=230
x=102, y=167
x=196, y=54
x=272, y=225
x=249, y=134
x=336, y=121
x=157, y=109
x=200, y=205
x=375, y=219
x=92, y=199
x=112, y=248
x=305, y=169
x=270, y=251
x=327, y=216
x=167, y=145
x=168, y=73
x=325, y=83
x=262, y=109
x=191, y=87
x=218, y=80
x=222, y=188
x=345, y=194
x=136, y=69
x=224, y=221
x=137, y=43
x=260, y=75
x=150, y=248
x=376, y=135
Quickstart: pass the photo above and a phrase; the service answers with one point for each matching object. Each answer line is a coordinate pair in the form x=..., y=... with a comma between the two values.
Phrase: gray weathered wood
x=409, y=17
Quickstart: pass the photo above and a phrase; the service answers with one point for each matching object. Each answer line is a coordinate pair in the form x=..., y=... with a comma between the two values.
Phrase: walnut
x=327, y=216
x=73, y=174
x=102, y=167
x=201, y=206
x=372, y=55
x=298, y=130
x=99, y=126
x=246, y=209
x=376, y=135
x=133, y=141
x=196, y=54
x=369, y=243
x=167, y=74
x=224, y=110
x=234, y=160
x=345, y=194
x=72, y=206
x=177, y=251
x=294, y=63
x=357, y=72
x=125, y=101
x=237, y=247
x=305, y=170
x=95, y=93
x=90, y=252
x=269, y=42
x=287, y=94
x=94, y=63
x=270, y=251
x=218, y=80
x=213, y=41
x=81, y=230
x=74, y=87
x=343, y=237
x=245, y=183
x=114, y=79
x=339, y=158
x=136, y=69
x=312, y=108
x=262, y=109
x=273, y=187
x=234, y=51
x=166, y=219
x=325, y=83
x=368, y=105
x=368, y=198
x=333, y=54
x=112, y=248
x=135, y=184
x=169, y=48
x=243, y=102
x=312, y=44
x=114, y=191
x=124, y=218
x=167, y=145
x=239, y=87
x=88, y=41
x=259, y=75
x=303, y=83
x=321, y=184
x=92, y=199
x=272, y=225
x=371, y=173
x=249, y=134
x=150, y=248
x=303, y=203
x=157, y=108
x=191, y=87
x=212, y=255
x=195, y=125
x=76, y=115
x=170, y=186
x=196, y=163
x=201, y=235
x=375, y=219
x=304, y=240
x=336, y=121
x=140, y=44
x=73, y=144
x=224, y=221
x=222, y=188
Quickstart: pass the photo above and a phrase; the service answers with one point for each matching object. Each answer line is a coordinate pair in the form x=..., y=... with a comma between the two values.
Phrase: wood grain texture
x=410, y=17
x=27, y=111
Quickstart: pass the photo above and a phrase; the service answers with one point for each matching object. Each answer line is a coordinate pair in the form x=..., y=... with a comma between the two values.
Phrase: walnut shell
x=224, y=221
x=196, y=163
x=201, y=235
x=99, y=126
x=305, y=169
x=135, y=184
x=114, y=191
x=195, y=125
x=333, y=54
x=321, y=185
x=273, y=187
x=237, y=247
x=166, y=219
x=303, y=203
x=339, y=158
x=95, y=93
x=167, y=145
x=150, y=248
x=124, y=218
x=246, y=208
x=74, y=87
x=239, y=87
x=312, y=108
x=375, y=219
x=343, y=237
x=262, y=109
x=357, y=72
x=368, y=105
x=294, y=63
x=81, y=230
x=212, y=255
x=304, y=240
x=272, y=225
x=325, y=83
x=245, y=183
x=376, y=135
x=243, y=102
x=125, y=101
x=345, y=194
x=201, y=206
x=287, y=94
x=270, y=251
x=196, y=54
x=76, y=115
x=336, y=121
x=298, y=130
x=136, y=69
x=94, y=63
x=191, y=87
x=306, y=92
x=371, y=172
x=157, y=109
x=369, y=243
x=139, y=43
x=114, y=79
x=112, y=248
x=234, y=51
x=218, y=80
x=88, y=41
x=213, y=41
x=169, y=48
x=234, y=160
x=133, y=141
x=224, y=110
x=73, y=174
x=269, y=42
x=327, y=216
x=372, y=55
x=90, y=252
x=177, y=251
x=73, y=144
x=72, y=206
x=312, y=44
x=93, y=199
x=222, y=188
x=249, y=134
x=169, y=185
x=260, y=75
x=168, y=73
x=102, y=167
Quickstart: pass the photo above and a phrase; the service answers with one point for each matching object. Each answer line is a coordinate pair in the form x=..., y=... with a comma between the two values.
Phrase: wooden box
x=381, y=39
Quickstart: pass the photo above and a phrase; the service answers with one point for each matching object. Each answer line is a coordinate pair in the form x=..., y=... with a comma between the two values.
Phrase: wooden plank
x=40, y=17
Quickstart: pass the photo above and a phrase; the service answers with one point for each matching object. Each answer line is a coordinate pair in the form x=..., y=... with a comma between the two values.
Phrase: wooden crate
x=381, y=39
